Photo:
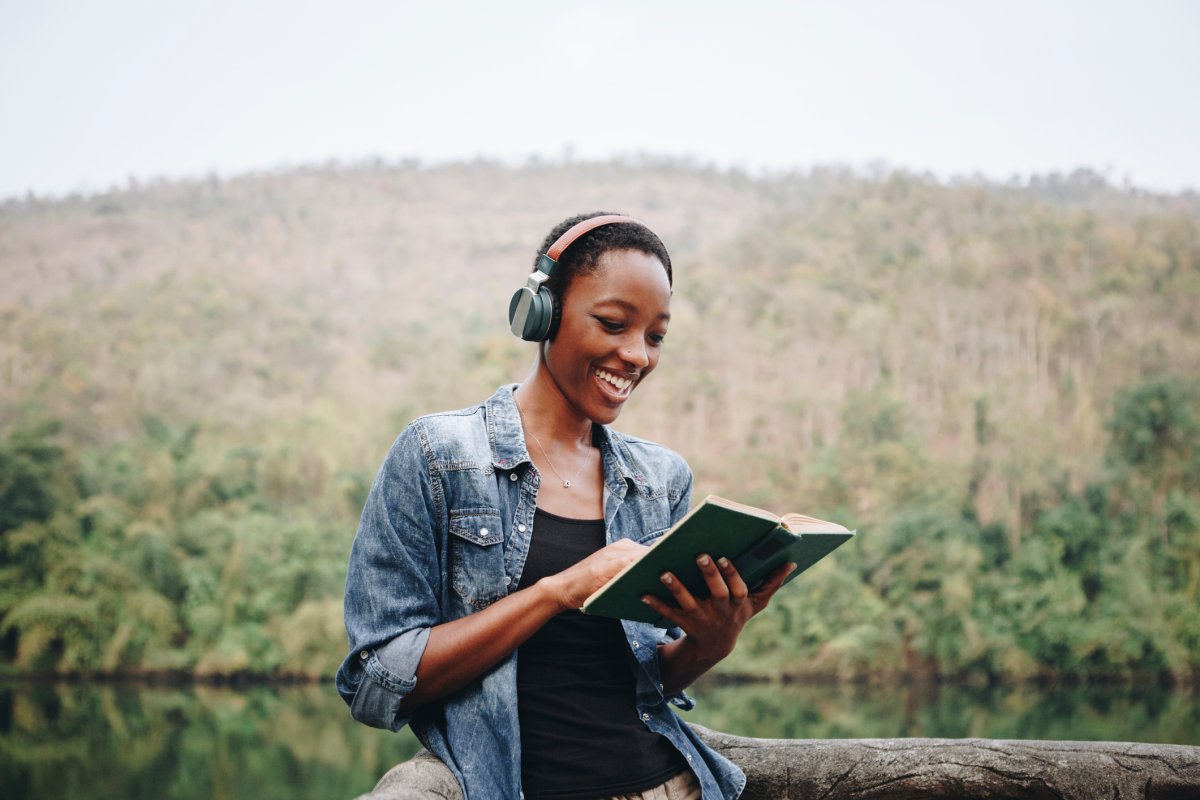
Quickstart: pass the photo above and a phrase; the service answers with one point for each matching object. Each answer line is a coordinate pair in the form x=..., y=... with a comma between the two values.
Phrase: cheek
x=566, y=358
x=652, y=362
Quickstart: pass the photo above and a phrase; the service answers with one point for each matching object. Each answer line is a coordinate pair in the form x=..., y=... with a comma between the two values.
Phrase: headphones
x=533, y=314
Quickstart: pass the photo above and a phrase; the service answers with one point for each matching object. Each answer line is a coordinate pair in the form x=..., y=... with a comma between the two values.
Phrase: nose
x=633, y=353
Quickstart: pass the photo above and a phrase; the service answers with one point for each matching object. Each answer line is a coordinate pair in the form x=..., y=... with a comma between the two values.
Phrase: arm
x=392, y=586
x=711, y=626
x=463, y=649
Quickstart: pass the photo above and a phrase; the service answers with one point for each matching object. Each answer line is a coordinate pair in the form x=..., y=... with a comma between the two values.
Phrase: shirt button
x=521, y=527
x=635, y=644
x=363, y=655
x=512, y=476
x=646, y=718
x=689, y=757
x=507, y=580
x=483, y=531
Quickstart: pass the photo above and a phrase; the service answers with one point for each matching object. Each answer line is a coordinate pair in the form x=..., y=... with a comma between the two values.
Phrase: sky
x=96, y=92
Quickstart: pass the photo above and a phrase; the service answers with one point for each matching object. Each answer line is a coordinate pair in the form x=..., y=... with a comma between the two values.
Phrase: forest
x=996, y=384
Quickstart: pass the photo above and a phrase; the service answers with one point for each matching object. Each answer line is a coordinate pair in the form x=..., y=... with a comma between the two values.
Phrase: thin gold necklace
x=566, y=481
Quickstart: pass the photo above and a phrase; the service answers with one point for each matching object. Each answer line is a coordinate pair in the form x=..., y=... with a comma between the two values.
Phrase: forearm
x=681, y=662
x=463, y=649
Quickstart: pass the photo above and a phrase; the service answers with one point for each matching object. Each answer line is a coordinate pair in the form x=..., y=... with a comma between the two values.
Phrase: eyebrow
x=628, y=306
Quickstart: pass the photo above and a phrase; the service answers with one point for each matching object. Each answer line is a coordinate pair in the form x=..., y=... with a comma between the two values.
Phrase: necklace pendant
x=566, y=484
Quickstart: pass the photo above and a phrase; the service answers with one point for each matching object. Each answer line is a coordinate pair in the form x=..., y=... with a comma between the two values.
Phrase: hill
x=997, y=384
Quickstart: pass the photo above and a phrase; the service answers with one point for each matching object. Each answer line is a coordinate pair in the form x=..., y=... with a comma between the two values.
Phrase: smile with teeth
x=620, y=384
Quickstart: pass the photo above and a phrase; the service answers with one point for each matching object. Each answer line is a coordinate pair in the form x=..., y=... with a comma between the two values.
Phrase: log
x=899, y=769
x=906, y=769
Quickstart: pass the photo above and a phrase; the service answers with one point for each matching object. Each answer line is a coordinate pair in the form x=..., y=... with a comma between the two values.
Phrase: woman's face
x=611, y=332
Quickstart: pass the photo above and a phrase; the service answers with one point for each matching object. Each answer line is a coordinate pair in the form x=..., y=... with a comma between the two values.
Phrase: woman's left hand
x=713, y=624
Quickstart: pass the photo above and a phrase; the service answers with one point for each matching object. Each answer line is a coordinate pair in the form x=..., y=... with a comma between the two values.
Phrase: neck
x=546, y=410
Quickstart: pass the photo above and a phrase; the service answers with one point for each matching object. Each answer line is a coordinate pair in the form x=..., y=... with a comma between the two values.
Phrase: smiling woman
x=476, y=550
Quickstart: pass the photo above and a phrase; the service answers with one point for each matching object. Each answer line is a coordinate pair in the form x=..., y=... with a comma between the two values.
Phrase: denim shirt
x=444, y=533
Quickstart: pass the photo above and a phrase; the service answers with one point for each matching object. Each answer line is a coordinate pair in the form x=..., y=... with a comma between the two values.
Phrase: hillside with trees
x=998, y=385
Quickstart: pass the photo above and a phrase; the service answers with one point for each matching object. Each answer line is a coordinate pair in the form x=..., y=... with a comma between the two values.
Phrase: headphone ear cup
x=555, y=313
x=539, y=318
x=513, y=305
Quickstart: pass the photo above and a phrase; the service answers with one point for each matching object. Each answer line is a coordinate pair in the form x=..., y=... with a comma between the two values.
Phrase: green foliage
x=33, y=478
x=1155, y=427
x=171, y=558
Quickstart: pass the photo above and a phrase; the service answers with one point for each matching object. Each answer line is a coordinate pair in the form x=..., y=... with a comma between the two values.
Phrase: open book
x=756, y=541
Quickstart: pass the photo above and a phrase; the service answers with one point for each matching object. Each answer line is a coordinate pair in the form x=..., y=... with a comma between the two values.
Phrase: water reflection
x=299, y=742
x=120, y=741
x=1121, y=713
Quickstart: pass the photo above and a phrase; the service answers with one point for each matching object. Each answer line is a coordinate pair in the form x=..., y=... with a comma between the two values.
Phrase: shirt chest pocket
x=477, y=556
x=647, y=519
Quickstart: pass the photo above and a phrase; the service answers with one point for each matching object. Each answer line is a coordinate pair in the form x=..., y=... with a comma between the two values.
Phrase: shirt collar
x=504, y=429
x=509, y=449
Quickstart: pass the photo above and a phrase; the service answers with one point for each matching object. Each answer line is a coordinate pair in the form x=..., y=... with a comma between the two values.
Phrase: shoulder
x=657, y=463
x=644, y=451
x=447, y=436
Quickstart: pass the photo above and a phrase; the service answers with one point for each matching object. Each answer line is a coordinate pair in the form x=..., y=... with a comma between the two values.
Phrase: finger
x=774, y=581
x=664, y=610
x=680, y=592
x=621, y=556
x=733, y=579
x=624, y=551
x=612, y=564
x=717, y=588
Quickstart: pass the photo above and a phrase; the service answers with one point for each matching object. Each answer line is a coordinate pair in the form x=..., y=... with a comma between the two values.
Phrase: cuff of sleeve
x=389, y=674
x=682, y=700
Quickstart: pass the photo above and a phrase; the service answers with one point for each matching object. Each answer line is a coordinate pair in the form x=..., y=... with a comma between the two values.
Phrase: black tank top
x=581, y=738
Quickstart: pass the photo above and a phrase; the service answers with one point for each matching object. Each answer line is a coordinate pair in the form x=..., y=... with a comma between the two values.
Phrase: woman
x=486, y=529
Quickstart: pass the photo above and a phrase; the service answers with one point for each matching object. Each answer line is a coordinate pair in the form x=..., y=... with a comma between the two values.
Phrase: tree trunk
x=898, y=769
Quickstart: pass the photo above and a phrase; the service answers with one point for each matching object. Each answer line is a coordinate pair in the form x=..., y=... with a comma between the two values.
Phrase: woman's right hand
x=575, y=584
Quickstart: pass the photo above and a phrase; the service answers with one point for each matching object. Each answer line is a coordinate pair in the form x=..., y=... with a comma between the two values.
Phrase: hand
x=575, y=584
x=713, y=624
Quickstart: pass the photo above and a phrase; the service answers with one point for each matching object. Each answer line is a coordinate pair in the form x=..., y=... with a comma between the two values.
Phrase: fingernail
x=646, y=599
x=702, y=561
x=667, y=579
x=723, y=561
x=791, y=567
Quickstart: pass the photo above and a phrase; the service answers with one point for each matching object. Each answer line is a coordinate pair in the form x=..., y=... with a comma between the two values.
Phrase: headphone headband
x=579, y=229
x=532, y=313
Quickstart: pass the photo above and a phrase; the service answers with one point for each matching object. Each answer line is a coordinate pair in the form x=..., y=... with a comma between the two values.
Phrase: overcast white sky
x=95, y=91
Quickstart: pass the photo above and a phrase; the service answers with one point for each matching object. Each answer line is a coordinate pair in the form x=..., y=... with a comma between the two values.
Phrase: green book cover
x=756, y=541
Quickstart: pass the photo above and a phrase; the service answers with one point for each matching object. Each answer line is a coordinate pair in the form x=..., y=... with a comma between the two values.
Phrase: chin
x=601, y=413
x=602, y=416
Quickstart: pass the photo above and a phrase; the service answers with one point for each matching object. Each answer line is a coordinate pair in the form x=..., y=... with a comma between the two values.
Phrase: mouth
x=616, y=385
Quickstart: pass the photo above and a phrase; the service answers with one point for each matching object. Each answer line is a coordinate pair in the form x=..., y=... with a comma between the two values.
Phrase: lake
x=136, y=741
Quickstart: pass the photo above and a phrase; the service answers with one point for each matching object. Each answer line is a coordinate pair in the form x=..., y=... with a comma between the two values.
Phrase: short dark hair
x=583, y=256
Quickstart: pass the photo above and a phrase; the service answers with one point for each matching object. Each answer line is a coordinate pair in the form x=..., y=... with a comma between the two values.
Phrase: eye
x=610, y=324
x=658, y=338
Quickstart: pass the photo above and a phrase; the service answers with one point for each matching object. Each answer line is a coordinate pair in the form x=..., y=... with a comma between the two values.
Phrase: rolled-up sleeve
x=393, y=586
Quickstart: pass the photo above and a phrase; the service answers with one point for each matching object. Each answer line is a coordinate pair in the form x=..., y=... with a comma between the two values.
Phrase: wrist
x=698, y=654
x=551, y=593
